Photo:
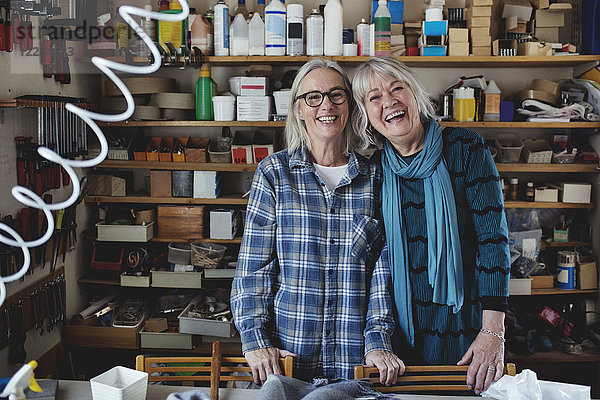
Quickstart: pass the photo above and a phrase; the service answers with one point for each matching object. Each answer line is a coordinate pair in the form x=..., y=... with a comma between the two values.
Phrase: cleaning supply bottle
x=174, y=32
x=148, y=24
x=314, y=34
x=334, y=17
x=24, y=378
x=239, y=36
x=221, y=29
x=204, y=95
x=201, y=32
x=241, y=9
x=295, y=30
x=383, y=29
x=275, y=28
x=363, y=38
x=492, y=102
x=260, y=9
x=256, y=36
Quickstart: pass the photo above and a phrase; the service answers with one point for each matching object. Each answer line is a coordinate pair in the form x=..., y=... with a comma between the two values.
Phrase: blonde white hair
x=362, y=83
x=295, y=129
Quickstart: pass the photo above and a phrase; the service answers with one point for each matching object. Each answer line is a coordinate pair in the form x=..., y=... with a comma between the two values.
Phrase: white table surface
x=80, y=390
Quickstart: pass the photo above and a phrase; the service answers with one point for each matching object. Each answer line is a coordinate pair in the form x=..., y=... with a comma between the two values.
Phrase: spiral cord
x=28, y=197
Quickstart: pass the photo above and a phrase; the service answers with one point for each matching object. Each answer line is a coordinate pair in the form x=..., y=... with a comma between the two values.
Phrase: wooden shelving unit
x=234, y=200
x=546, y=245
x=557, y=291
x=555, y=356
x=533, y=204
x=488, y=124
x=91, y=236
x=547, y=168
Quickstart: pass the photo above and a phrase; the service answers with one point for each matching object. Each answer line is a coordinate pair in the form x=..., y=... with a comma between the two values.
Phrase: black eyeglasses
x=315, y=98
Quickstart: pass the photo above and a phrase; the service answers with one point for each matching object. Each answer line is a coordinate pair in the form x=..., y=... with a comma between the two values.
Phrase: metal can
x=314, y=34
x=363, y=37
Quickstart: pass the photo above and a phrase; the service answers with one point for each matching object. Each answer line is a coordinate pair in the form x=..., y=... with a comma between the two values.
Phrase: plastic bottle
x=275, y=28
x=334, y=17
x=148, y=24
x=492, y=102
x=383, y=30
x=204, y=95
x=314, y=34
x=174, y=32
x=239, y=36
x=513, y=189
x=260, y=8
x=201, y=34
x=241, y=9
x=530, y=192
x=295, y=30
x=256, y=36
x=363, y=37
x=221, y=26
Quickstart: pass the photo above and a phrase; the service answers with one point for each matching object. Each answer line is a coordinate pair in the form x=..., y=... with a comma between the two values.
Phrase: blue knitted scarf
x=444, y=264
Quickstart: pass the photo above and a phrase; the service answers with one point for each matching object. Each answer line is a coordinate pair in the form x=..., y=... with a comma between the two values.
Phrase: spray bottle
x=21, y=380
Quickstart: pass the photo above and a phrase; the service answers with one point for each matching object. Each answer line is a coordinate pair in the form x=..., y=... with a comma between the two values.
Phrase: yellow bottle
x=464, y=104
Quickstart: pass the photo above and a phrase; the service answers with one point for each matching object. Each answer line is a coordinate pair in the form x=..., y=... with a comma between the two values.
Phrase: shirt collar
x=356, y=164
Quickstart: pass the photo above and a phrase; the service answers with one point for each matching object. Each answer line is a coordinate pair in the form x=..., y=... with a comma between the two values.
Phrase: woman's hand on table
x=486, y=356
x=388, y=364
x=265, y=361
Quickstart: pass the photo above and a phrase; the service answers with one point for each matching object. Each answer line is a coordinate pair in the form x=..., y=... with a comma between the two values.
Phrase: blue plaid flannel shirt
x=310, y=278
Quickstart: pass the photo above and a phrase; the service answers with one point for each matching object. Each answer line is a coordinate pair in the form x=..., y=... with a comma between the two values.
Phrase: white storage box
x=120, y=383
x=135, y=281
x=219, y=273
x=282, y=101
x=254, y=86
x=537, y=151
x=207, y=184
x=241, y=147
x=521, y=286
x=168, y=279
x=223, y=223
x=576, y=192
x=546, y=194
x=125, y=233
x=253, y=108
x=165, y=340
x=199, y=326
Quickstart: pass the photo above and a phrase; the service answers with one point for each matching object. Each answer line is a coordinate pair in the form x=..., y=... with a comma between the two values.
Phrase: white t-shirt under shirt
x=331, y=175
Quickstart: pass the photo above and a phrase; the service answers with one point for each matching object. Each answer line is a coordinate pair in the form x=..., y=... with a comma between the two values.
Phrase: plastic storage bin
x=120, y=383
x=179, y=253
x=509, y=146
x=207, y=255
x=537, y=151
x=219, y=150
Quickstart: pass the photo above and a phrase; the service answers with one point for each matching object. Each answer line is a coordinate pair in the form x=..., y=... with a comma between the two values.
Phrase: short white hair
x=362, y=83
x=295, y=129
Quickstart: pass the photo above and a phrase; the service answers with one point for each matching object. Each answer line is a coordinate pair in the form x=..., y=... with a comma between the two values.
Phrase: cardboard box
x=593, y=74
x=542, y=281
x=546, y=194
x=519, y=287
x=520, y=28
x=482, y=2
x=156, y=325
x=223, y=223
x=179, y=149
x=503, y=44
x=540, y=4
x=152, y=149
x=549, y=19
x=475, y=22
x=587, y=275
x=458, y=35
x=241, y=148
x=166, y=149
x=576, y=192
x=560, y=235
x=195, y=150
x=125, y=233
x=458, y=49
x=207, y=184
x=522, y=9
x=103, y=337
x=480, y=31
x=254, y=86
x=106, y=185
x=139, y=145
x=263, y=145
x=481, y=51
x=534, y=49
x=160, y=183
x=181, y=222
x=479, y=11
x=253, y=108
x=549, y=35
x=481, y=41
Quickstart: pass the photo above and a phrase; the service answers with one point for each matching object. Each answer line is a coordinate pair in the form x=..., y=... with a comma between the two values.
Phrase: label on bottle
x=295, y=42
x=492, y=103
x=363, y=35
x=314, y=35
x=275, y=29
x=221, y=31
x=383, y=36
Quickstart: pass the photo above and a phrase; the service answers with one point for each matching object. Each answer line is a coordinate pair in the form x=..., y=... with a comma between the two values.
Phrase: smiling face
x=392, y=110
x=326, y=122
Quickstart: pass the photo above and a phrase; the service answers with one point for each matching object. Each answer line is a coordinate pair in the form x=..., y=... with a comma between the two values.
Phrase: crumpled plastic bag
x=526, y=386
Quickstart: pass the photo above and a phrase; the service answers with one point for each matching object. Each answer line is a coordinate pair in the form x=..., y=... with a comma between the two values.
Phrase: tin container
x=565, y=268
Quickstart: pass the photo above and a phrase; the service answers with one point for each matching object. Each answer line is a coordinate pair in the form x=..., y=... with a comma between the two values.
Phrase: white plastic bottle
x=383, y=30
x=260, y=8
x=363, y=37
x=314, y=34
x=239, y=36
x=256, y=36
x=221, y=29
x=295, y=30
x=275, y=28
x=492, y=102
x=334, y=17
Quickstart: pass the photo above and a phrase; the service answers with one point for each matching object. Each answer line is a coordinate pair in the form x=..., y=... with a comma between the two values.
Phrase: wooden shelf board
x=229, y=200
x=554, y=356
x=557, y=291
x=179, y=166
x=221, y=241
x=545, y=168
x=531, y=204
x=191, y=124
x=100, y=278
x=488, y=124
x=546, y=245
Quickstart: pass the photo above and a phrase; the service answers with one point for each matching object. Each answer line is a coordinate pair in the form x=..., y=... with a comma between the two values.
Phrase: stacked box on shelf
x=434, y=38
x=253, y=101
x=479, y=20
x=549, y=20
x=516, y=14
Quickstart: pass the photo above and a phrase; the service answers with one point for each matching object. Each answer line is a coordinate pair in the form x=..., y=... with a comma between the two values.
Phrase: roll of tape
x=142, y=113
x=536, y=95
x=141, y=86
x=183, y=101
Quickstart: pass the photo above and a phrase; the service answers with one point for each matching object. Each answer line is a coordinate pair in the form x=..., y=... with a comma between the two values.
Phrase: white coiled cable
x=30, y=198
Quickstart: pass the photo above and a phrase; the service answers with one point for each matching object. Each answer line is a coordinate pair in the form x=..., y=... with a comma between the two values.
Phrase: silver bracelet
x=499, y=336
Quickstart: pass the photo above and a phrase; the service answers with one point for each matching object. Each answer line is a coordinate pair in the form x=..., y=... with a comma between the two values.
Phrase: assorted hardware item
x=130, y=312
x=211, y=307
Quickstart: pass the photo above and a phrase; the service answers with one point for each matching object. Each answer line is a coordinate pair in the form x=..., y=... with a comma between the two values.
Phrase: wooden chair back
x=191, y=369
x=425, y=378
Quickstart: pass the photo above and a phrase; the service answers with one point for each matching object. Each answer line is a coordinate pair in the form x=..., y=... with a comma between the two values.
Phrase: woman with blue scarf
x=445, y=226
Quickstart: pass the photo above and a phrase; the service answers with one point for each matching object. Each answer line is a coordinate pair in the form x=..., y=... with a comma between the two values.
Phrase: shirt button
x=327, y=332
x=322, y=184
x=332, y=210
x=330, y=271
x=332, y=241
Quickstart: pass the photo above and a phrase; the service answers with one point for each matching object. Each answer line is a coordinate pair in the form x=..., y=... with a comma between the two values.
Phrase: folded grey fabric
x=189, y=395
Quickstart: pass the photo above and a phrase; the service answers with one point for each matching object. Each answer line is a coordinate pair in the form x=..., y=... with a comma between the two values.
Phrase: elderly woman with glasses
x=445, y=226
x=312, y=275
